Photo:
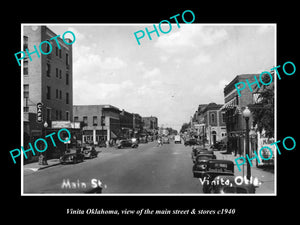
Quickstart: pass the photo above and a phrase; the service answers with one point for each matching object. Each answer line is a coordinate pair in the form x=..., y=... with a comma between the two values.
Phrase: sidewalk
x=266, y=178
x=35, y=165
x=53, y=162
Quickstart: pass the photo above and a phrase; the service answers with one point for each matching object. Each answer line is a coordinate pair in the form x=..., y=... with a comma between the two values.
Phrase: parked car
x=200, y=165
x=165, y=140
x=227, y=185
x=216, y=167
x=191, y=142
x=200, y=150
x=89, y=152
x=219, y=146
x=177, y=139
x=127, y=144
x=74, y=157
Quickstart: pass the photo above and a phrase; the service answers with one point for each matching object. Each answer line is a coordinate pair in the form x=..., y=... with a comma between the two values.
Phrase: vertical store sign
x=39, y=115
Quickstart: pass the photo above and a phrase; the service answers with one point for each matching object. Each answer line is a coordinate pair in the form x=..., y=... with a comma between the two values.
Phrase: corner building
x=47, y=79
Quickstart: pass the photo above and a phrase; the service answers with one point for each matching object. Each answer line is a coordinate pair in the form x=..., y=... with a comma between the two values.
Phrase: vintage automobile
x=177, y=139
x=200, y=164
x=165, y=140
x=216, y=167
x=73, y=157
x=127, y=144
x=227, y=185
x=191, y=142
x=89, y=152
x=199, y=150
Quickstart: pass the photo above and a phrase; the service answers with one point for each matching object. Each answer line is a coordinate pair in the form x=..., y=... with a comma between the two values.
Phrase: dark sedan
x=127, y=144
x=200, y=165
x=191, y=142
x=71, y=158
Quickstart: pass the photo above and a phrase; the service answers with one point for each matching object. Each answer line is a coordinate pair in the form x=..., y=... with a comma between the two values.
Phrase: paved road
x=148, y=169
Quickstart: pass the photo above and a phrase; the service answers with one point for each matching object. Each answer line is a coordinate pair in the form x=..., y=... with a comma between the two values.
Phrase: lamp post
x=247, y=114
x=42, y=158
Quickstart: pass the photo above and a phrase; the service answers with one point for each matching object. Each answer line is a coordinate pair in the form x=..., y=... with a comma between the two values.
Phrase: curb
x=47, y=166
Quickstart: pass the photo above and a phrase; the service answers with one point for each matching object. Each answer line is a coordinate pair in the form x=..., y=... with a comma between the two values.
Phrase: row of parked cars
x=216, y=176
x=78, y=155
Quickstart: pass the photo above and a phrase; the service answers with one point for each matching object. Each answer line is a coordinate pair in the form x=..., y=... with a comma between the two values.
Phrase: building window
x=95, y=121
x=48, y=115
x=67, y=59
x=67, y=98
x=48, y=92
x=25, y=67
x=25, y=43
x=223, y=117
x=26, y=97
x=75, y=118
x=67, y=115
x=59, y=53
x=212, y=118
x=56, y=72
x=48, y=69
x=85, y=120
x=56, y=94
x=26, y=90
x=60, y=74
x=67, y=79
x=60, y=94
x=56, y=51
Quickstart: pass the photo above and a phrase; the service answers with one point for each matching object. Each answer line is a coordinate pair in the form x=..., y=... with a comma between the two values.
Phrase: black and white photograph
x=174, y=108
x=150, y=112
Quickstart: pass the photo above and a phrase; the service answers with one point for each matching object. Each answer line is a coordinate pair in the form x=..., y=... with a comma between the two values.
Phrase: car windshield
x=204, y=157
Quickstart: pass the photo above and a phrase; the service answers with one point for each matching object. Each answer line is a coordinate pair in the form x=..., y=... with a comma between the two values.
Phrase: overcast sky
x=168, y=76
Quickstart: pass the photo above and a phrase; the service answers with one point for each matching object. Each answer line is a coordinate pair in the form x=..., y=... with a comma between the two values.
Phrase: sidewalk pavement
x=35, y=165
x=266, y=177
x=53, y=162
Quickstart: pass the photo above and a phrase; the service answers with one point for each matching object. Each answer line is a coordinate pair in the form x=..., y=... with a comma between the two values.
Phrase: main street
x=148, y=169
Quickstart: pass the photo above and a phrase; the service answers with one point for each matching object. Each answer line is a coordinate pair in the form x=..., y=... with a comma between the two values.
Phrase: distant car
x=177, y=139
x=191, y=142
x=71, y=158
x=89, y=152
x=143, y=140
x=165, y=140
x=127, y=144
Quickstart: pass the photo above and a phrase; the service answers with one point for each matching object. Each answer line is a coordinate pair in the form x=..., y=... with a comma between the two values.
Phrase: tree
x=263, y=109
x=184, y=127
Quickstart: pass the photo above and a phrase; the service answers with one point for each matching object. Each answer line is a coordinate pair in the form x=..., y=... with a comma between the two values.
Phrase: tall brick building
x=233, y=107
x=46, y=79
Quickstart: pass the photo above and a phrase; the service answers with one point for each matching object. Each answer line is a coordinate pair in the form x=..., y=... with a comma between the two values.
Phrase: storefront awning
x=229, y=105
x=113, y=135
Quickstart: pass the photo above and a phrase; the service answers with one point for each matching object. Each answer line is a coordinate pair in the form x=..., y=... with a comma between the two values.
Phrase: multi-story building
x=150, y=123
x=126, y=123
x=47, y=82
x=137, y=123
x=208, y=122
x=233, y=107
x=101, y=123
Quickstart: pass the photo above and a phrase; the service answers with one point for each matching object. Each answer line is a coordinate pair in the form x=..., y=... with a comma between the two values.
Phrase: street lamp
x=42, y=158
x=247, y=114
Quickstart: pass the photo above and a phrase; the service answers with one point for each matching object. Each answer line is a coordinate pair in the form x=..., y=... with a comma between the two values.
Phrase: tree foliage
x=263, y=111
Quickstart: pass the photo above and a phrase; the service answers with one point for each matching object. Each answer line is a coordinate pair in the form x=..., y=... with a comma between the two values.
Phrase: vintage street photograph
x=148, y=109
